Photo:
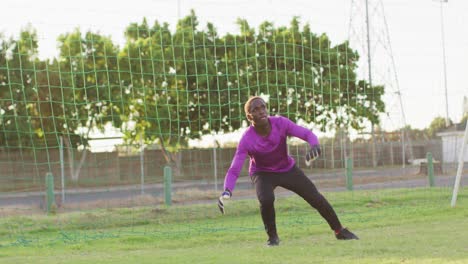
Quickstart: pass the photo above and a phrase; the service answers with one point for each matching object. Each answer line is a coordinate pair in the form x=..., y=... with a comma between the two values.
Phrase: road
x=83, y=196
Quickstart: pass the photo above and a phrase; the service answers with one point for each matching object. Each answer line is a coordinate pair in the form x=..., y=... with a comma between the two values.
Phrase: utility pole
x=404, y=133
x=374, y=156
x=178, y=10
x=375, y=38
x=447, y=122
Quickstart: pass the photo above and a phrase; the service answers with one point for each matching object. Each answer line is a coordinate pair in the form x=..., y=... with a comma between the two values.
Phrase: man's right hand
x=225, y=195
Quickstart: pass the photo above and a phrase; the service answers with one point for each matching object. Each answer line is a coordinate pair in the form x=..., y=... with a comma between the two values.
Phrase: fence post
x=349, y=174
x=430, y=169
x=168, y=185
x=215, y=169
x=142, y=167
x=50, y=196
x=391, y=154
x=62, y=169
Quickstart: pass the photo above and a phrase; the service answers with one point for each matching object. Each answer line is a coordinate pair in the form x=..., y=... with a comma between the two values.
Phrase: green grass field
x=395, y=226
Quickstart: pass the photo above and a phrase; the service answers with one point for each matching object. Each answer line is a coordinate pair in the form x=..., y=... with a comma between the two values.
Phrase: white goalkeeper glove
x=225, y=195
x=313, y=154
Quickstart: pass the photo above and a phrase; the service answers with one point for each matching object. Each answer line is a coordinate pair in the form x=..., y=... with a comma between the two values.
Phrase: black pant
x=294, y=180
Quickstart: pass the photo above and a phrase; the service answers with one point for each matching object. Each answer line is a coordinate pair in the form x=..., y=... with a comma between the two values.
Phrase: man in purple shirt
x=271, y=166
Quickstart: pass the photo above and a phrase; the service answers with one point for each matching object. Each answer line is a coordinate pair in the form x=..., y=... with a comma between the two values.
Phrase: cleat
x=345, y=234
x=273, y=241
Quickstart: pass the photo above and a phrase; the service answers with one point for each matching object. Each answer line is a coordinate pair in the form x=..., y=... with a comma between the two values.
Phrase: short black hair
x=247, y=104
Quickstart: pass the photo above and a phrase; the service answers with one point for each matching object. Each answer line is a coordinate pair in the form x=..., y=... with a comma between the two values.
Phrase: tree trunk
x=74, y=174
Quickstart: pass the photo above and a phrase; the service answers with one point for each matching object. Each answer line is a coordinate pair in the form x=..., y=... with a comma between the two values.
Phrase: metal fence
x=22, y=170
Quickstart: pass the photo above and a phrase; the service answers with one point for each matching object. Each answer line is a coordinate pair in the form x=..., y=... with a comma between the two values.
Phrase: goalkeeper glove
x=313, y=154
x=225, y=195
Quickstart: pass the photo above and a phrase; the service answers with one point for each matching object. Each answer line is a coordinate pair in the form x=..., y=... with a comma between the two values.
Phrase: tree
x=194, y=82
x=437, y=125
x=89, y=79
x=83, y=87
x=307, y=78
x=464, y=120
x=19, y=116
x=174, y=83
x=169, y=87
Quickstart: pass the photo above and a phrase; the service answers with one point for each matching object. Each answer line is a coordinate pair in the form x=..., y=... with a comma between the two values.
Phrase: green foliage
x=464, y=120
x=437, y=125
x=19, y=119
x=169, y=87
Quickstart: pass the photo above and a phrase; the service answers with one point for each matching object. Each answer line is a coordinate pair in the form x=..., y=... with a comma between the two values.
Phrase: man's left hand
x=313, y=154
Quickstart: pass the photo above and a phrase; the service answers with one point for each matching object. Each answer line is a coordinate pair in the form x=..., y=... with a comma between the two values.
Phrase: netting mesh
x=164, y=88
x=161, y=90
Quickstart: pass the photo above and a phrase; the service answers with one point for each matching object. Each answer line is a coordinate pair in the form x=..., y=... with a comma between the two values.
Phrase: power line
x=376, y=45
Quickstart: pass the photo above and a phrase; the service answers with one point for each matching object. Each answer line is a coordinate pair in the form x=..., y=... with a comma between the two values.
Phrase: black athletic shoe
x=273, y=241
x=345, y=234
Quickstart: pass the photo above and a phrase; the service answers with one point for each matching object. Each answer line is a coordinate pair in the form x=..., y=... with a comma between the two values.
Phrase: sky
x=412, y=31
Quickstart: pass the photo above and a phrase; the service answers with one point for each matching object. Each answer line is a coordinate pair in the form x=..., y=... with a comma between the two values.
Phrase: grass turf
x=395, y=226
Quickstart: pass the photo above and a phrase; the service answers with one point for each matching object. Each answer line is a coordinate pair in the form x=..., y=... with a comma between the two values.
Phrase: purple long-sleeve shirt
x=267, y=153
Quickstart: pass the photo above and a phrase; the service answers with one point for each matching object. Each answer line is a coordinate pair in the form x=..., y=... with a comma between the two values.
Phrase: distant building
x=452, y=140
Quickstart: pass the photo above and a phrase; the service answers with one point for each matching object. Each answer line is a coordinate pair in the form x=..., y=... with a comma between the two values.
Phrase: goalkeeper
x=271, y=166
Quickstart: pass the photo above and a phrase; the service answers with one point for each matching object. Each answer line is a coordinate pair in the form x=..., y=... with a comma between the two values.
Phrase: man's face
x=258, y=113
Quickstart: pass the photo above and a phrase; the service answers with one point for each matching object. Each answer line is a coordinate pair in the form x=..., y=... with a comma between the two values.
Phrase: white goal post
x=456, y=185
